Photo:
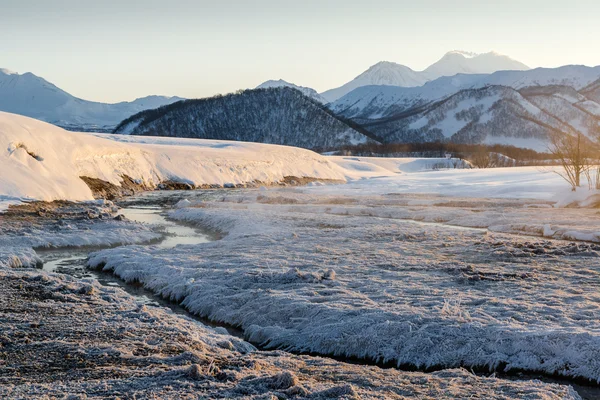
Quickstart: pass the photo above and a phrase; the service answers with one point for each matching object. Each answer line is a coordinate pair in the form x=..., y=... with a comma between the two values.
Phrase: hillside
x=280, y=115
x=45, y=162
x=32, y=96
x=494, y=115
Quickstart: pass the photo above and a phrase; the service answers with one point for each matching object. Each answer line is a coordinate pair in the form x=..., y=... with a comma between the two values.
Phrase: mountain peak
x=462, y=62
x=281, y=83
x=385, y=66
x=453, y=62
x=6, y=71
x=465, y=54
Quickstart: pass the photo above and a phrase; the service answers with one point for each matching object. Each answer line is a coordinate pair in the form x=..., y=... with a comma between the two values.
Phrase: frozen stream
x=150, y=209
x=72, y=261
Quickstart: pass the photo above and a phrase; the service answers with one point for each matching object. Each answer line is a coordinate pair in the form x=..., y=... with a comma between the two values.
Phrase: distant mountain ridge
x=452, y=63
x=33, y=96
x=374, y=102
x=280, y=115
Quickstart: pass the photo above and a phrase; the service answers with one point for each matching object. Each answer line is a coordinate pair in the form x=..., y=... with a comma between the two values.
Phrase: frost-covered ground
x=321, y=270
x=62, y=337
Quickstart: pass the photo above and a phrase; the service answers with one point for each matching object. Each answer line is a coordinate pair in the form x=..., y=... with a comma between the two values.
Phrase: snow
x=590, y=106
x=112, y=346
x=374, y=100
x=374, y=167
x=62, y=157
x=338, y=270
x=450, y=125
x=382, y=73
x=521, y=182
x=457, y=62
x=88, y=224
x=110, y=343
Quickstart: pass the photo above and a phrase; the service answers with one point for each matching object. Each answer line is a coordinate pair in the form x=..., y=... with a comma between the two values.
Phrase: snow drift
x=43, y=162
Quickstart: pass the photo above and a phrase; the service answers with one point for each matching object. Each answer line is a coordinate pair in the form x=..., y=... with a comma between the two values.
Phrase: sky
x=114, y=51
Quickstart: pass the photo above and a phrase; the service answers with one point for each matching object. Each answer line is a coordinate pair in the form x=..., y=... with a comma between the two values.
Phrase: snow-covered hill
x=281, y=115
x=44, y=162
x=305, y=90
x=452, y=63
x=495, y=115
x=33, y=96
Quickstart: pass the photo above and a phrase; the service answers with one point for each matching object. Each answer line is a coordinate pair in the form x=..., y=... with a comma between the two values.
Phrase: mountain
x=592, y=91
x=280, y=115
x=305, y=90
x=373, y=102
x=495, y=115
x=33, y=96
x=382, y=73
x=452, y=63
x=460, y=62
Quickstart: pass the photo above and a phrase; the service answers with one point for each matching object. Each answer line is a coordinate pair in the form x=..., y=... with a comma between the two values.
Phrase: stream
x=72, y=261
x=150, y=208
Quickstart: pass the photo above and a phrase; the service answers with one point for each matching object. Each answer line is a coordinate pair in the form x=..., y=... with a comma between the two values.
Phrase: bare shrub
x=31, y=153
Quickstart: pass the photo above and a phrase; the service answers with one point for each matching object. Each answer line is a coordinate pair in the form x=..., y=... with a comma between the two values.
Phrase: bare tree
x=573, y=151
x=482, y=158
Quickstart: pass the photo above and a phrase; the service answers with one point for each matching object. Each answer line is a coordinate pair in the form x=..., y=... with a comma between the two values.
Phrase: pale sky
x=109, y=50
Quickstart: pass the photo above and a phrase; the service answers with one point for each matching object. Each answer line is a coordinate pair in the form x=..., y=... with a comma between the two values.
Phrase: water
x=176, y=233
x=72, y=261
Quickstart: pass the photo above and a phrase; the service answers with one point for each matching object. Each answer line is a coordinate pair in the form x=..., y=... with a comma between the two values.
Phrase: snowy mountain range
x=464, y=97
x=496, y=114
x=33, y=96
x=279, y=115
x=452, y=63
x=520, y=108
x=382, y=101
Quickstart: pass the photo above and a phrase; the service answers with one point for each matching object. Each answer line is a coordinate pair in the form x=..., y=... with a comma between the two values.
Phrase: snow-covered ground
x=43, y=162
x=338, y=270
x=40, y=161
x=448, y=177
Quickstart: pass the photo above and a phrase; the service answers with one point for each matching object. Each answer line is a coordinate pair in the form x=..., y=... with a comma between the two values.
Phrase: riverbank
x=64, y=336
